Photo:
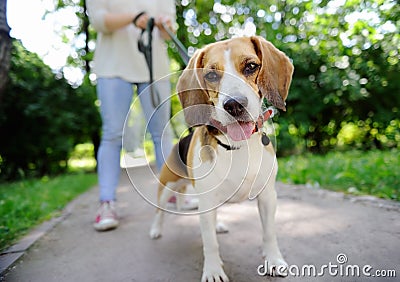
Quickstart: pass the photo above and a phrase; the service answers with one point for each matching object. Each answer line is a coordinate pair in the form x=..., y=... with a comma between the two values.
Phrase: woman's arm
x=104, y=21
x=159, y=23
x=116, y=21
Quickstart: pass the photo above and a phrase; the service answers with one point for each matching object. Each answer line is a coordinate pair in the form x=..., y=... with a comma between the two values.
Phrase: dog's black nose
x=236, y=106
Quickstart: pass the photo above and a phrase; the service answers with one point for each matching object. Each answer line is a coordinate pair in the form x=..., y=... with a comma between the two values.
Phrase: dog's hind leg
x=164, y=194
x=221, y=227
x=180, y=197
x=155, y=231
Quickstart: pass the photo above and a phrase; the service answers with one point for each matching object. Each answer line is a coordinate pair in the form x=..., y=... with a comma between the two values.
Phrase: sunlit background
x=344, y=93
x=51, y=32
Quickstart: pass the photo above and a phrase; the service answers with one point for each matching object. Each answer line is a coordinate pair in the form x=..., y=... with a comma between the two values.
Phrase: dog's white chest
x=235, y=175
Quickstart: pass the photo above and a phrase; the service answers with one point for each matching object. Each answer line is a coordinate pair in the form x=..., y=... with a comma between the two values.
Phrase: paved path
x=314, y=227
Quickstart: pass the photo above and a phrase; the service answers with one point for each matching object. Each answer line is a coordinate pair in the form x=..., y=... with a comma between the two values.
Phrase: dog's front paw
x=213, y=271
x=214, y=275
x=276, y=267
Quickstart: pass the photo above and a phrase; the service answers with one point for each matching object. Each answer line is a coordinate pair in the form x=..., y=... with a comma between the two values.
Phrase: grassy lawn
x=374, y=172
x=25, y=204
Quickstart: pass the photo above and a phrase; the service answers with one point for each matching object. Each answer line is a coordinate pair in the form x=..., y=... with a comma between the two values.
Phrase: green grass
x=362, y=173
x=25, y=204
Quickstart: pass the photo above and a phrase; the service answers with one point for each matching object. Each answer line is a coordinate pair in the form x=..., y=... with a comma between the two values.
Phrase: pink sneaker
x=184, y=203
x=106, y=218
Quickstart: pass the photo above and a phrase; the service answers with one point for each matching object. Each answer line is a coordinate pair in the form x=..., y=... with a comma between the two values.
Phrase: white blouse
x=116, y=53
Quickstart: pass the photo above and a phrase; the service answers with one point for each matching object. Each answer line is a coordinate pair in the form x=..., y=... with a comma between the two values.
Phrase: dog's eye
x=212, y=76
x=250, y=68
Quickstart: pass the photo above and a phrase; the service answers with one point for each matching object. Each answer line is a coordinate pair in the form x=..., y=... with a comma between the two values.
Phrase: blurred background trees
x=345, y=92
x=42, y=118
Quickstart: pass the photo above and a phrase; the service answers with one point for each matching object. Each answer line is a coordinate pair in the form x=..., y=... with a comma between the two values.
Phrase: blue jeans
x=115, y=96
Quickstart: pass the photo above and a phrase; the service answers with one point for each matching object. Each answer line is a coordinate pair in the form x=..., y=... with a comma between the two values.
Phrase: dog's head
x=225, y=83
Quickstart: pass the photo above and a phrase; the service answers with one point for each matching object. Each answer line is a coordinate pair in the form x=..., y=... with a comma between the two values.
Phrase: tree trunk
x=85, y=28
x=5, y=47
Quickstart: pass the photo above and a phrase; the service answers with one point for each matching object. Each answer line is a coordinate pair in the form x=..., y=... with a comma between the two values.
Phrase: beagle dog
x=228, y=157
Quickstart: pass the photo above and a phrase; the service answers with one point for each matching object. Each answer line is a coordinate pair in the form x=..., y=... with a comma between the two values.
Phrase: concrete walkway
x=313, y=226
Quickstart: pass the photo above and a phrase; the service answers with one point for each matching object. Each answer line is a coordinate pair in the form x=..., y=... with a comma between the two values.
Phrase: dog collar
x=226, y=146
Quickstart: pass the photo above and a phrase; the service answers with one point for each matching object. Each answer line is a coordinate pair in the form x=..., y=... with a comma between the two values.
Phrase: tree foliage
x=346, y=52
x=344, y=90
x=41, y=118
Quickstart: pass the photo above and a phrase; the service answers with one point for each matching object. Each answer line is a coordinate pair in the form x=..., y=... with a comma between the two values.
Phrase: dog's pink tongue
x=240, y=131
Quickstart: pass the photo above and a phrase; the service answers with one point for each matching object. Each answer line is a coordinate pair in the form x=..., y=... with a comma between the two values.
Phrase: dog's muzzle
x=236, y=106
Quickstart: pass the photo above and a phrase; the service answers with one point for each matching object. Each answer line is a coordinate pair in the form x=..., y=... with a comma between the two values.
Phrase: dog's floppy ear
x=275, y=74
x=192, y=91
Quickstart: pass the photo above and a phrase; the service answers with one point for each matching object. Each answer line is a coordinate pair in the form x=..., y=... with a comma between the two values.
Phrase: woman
x=119, y=66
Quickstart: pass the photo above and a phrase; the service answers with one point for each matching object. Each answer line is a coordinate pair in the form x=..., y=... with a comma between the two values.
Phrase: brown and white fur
x=225, y=83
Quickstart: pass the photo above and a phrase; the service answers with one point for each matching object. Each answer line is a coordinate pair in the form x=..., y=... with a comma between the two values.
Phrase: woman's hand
x=141, y=22
x=167, y=22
